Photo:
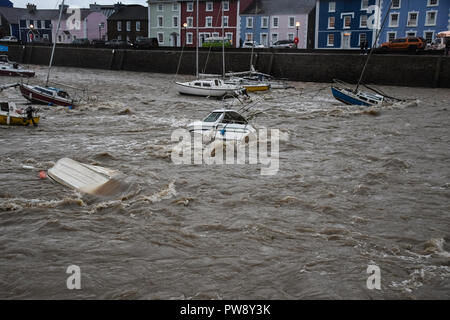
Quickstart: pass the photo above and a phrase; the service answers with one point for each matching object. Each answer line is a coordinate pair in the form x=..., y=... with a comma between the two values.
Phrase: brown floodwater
x=355, y=187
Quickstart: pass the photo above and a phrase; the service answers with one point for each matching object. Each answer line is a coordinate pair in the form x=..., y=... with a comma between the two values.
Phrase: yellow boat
x=256, y=87
x=11, y=115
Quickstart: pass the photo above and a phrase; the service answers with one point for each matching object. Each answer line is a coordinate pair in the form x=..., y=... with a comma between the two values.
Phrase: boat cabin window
x=233, y=117
x=206, y=84
x=47, y=92
x=63, y=94
x=4, y=106
x=213, y=117
x=198, y=84
x=216, y=82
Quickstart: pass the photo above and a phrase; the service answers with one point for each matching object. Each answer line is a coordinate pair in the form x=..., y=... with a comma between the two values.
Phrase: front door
x=346, y=41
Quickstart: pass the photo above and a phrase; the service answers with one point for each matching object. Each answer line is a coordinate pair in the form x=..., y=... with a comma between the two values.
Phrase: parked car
x=284, y=44
x=411, y=44
x=81, y=42
x=9, y=39
x=116, y=43
x=146, y=43
x=97, y=43
x=252, y=44
x=438, y=44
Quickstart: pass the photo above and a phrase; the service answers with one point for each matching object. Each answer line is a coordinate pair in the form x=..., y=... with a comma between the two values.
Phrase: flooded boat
x=10, y=114
x=225, y=124
x=13, y=69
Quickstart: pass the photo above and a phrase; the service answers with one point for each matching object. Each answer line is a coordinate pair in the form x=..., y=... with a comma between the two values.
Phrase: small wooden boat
x=224, y=124
x=249, y=85
x=80, y=176
x=13, y=69
x=46, y=95
x=11, y=115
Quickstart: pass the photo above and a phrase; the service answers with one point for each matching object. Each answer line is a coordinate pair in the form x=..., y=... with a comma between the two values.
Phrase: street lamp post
x=185, y=33
x=297, y=26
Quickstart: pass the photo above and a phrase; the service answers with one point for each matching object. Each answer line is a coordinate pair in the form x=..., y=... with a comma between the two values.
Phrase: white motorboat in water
x=208, y=88
x=223, y=124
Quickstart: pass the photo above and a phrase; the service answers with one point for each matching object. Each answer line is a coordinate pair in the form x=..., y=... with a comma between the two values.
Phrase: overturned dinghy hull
x=82, y=177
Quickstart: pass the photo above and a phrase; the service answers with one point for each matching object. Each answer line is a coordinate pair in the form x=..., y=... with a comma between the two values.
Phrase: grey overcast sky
x=51, y=4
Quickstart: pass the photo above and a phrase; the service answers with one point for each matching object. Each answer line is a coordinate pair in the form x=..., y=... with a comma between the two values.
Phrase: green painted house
x=164, y=22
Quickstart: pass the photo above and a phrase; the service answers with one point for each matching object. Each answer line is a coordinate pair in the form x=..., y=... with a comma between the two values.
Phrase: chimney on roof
x=64, y=8
x=118, y=6
x=31, y=7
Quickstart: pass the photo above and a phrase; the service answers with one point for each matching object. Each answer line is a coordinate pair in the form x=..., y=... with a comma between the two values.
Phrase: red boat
x=46, y=95
x=9, y=68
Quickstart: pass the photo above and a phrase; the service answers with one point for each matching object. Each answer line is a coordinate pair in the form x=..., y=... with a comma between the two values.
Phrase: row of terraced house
x=319, y=24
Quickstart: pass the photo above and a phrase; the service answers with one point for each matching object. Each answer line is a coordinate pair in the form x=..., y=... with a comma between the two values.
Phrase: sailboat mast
x=54, y=43
x=223, y=43
x=197, y=39
x=371, y=49
x=253, y=36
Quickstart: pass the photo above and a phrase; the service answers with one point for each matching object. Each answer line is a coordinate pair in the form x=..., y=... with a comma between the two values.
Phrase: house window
x=209, y=22
x=190, y=22
x=160, y=22
x=431, y=18
x=396, y=4
x=249, y=22
x=393, y=20
x=38, y=25
x=43, y=24
x=215, y=34
x=264, y=22
x=160, y=7
x=274, y=37
x=290, y=36
x=429, y=35
x=209, y=6
x=412, y=19
x=175, y=6
x=249, y=37
x=362, y=38
x=229, y=36
x=175, y=21
x=190, y=7
x=189, y=38
x=138, y=26
x=330, y=40
x=161, y=37
x=275, y=22
x=331, y=21
x=347, y=22
x=119, y=25
x=291, y=22
x=364, y=4
x=432, y=3
x=411, y=34
x=363, y=22
x=391, y=36
x=128, y=25
x=225, y=21
x=332, y=6
x=226, y=5
x=119, y=37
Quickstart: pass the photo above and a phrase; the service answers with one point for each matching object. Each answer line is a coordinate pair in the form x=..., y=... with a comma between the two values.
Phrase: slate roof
x=280, y=7
x=130, y=12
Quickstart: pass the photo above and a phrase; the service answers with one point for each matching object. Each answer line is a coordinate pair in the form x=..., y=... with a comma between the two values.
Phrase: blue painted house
x=267, y=21
x=418, y=18
x=344, y=24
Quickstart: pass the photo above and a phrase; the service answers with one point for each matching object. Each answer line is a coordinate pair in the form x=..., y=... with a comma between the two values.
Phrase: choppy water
x=354, y=188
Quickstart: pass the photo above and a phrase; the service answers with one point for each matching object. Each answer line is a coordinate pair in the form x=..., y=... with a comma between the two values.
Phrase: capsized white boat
x=82, y=177
x=207, y=88
x=223, y=124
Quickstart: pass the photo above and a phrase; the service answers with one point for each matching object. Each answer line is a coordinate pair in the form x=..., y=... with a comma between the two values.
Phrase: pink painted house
x=79, y=23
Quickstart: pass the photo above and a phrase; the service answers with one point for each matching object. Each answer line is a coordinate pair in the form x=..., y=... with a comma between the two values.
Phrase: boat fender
x=50, y=104
x=222, y=132
x=42, y=175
